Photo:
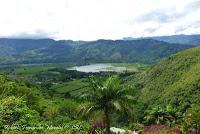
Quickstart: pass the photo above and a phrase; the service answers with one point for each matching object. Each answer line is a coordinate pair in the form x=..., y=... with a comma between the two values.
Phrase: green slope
x=174, y=80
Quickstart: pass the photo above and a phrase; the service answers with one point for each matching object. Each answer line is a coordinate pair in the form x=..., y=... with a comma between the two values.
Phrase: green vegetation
x=49, y=93
x=175, y=82
x=160, y=98
x=25, y=105
x=70, y=86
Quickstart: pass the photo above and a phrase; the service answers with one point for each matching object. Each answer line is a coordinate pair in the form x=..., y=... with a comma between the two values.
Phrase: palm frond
x=112, y=83
x=117, y=105
x=87, y=109
x=121, y=91
x=105, y=95
x=130, y=97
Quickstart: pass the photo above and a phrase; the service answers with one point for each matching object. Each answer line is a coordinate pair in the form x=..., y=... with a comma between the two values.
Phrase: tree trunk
x=107, y=121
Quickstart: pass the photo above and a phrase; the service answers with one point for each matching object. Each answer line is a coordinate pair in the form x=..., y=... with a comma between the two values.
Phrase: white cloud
x=95, y=19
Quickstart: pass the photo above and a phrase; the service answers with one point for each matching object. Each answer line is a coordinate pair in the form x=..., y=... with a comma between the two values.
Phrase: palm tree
x=106, y=96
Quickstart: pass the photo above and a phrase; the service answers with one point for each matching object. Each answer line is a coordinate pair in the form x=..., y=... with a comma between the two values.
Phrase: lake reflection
x=97, y=68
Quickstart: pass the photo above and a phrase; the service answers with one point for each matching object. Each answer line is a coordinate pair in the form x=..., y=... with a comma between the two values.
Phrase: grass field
x=73, y=88
x=32, y=69
x=70, y=86
x=132, y=67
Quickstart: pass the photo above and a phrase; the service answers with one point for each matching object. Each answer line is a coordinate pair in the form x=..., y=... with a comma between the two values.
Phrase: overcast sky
x=98, y=19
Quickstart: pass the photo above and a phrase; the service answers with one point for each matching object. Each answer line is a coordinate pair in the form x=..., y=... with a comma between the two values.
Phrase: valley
x=160, y=94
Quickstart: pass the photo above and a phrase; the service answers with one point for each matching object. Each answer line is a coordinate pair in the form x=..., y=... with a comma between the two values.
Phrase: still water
x=98, y=68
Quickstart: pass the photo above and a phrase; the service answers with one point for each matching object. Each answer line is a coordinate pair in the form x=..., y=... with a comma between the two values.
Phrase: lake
x=98, y=68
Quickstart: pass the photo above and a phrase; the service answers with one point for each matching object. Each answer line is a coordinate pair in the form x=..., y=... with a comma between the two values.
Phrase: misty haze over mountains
x=179, y=39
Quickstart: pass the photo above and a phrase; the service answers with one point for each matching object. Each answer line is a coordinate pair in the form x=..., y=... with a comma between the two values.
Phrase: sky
x=98, y=19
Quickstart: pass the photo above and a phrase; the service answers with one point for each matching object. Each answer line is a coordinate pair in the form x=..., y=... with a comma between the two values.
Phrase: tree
x=106, y=96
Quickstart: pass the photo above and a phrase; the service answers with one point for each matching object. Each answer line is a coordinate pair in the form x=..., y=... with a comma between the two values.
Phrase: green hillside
x=175, y=80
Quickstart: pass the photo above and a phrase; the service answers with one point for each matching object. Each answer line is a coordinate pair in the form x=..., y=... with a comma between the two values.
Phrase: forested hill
x=175, y=80
x=22, y=51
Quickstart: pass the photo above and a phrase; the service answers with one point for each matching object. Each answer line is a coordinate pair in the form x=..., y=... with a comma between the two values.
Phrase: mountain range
x=24, y=51
x=144, y=50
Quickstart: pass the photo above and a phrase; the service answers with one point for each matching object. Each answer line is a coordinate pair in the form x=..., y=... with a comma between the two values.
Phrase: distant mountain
x=177, y=39
x=145, y=51
x=180, y=39
x=17, y=46
x=22, y=51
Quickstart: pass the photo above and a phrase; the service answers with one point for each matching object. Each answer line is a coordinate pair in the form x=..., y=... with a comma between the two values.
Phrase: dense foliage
x=45, y=100
x=27, y=108
x=174, y=80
